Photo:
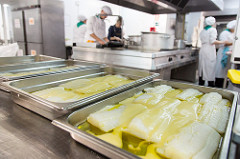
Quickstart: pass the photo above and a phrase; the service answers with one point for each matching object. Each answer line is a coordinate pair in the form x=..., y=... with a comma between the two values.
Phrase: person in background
x=207, y=54
x=79, y=30
x=96, y=27
x=115, y=31
x=222, y=57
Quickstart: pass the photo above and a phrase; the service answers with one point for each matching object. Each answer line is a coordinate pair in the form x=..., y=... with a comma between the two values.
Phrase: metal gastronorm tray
x=20, y=89
x=68, y=122
x=45, y=65
x=13, y=60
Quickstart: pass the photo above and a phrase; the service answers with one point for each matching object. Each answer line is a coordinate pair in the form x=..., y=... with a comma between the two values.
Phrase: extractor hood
x=148, y=6
x=203, y=5
x=170, y=6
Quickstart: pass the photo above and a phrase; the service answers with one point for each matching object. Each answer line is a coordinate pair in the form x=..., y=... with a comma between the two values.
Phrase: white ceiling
x=231, y=4
x=231, y=7
x=10, y=2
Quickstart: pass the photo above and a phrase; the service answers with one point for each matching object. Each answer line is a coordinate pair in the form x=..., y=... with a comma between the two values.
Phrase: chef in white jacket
x=79, y=30
x=207, y=54
x=221, y=68
x=96, y=27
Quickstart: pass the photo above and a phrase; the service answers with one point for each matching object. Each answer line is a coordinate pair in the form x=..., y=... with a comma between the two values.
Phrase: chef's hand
x=106, y=40
x=118, y=39
x=229, y=52
x=102, y=42
x=227, y=43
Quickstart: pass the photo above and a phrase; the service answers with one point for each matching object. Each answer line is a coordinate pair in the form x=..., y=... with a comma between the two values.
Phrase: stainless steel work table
x=24, y=134
x=134, y=58
x=163, y=62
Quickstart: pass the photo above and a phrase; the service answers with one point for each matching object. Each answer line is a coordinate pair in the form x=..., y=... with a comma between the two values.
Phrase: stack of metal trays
x=41, y=66
x=69, y=122
x=21, y=89
x=13, y=60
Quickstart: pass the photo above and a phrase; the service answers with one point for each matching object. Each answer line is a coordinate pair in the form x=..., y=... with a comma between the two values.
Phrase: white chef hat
x=210, y=21
x=231, y=24
x=81, y=18
x=107, y=10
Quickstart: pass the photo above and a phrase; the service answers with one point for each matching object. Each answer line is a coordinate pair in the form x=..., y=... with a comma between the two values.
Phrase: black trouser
x=68, y=52
x=219, y=82
x=201, y=82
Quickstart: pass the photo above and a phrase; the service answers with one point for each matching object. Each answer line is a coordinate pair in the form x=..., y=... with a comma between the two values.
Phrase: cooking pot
x=153, y=41
x=180, y=44
x=135, y=40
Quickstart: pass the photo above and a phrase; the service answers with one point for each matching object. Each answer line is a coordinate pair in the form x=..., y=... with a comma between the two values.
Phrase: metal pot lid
x=155, y=33
x=134, y=35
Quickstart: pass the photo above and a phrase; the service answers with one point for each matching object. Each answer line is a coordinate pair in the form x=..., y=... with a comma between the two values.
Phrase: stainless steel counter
x=162, y=62
x=134, y=58
x=24, y=134
x=129, y=52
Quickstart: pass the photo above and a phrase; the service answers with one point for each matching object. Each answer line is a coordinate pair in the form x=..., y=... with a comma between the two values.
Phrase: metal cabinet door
x=33, y=25
x=22, y=47
x=18, y=28
x=35, y=49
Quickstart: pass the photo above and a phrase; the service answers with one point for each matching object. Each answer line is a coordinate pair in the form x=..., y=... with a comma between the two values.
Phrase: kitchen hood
x=148, y=6
x=170, y=6
x=203, y=5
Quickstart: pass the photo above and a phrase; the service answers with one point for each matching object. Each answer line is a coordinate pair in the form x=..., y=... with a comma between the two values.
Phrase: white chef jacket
x=207, y=54
x=224, y=36
x=79, y=33
x=97, y=26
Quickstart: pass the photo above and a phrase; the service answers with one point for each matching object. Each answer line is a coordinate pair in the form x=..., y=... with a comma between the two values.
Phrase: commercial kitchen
x=141, y=93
